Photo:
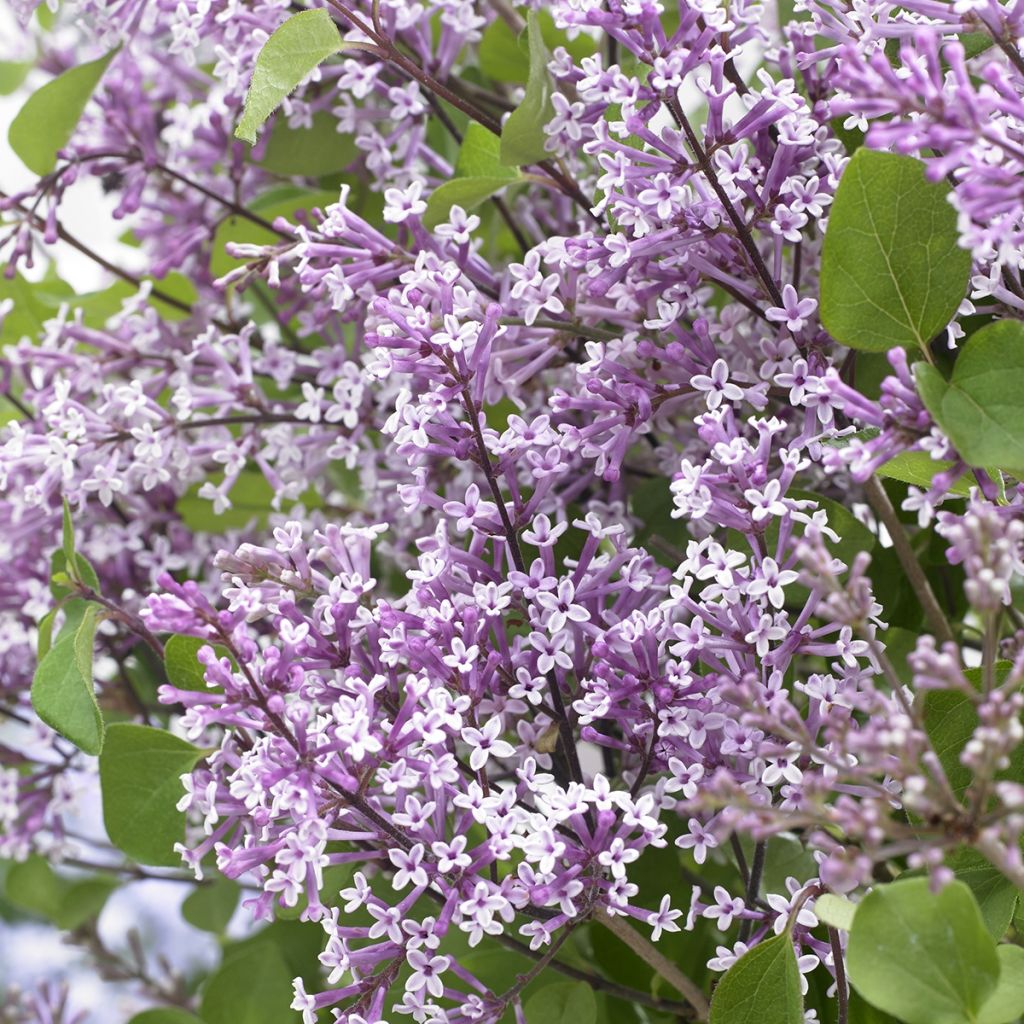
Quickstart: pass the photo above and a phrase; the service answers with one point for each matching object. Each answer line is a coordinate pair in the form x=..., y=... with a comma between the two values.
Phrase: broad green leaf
x=309, y=152
x=762, y=987
x=34, y=886
x=920, y=469
x=252, y=987
x=924, y=957
x=301, y=44
x=140, y=779
x=864, y=1013
x=165, y=1015
x=184, y=670
x=500, y=55
x=83, y=901
x=996, y=895
x=465, y=192
x=62, y=688
x=980, y=408
x=976, y=42
x=1006, y=1004
x=48, y=118
x=523, y=138
x=950, y=719
x=30, y=311
x=892, y=271
x=210, y=907
x=12, y=74
x=570, y=1002
x=835, y=911
x=503, y=57
x=480, y=156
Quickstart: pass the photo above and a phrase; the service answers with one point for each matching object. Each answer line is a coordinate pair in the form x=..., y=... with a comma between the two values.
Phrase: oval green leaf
x=762, y=987
x=924, y=957
x=308, y=152
x=980, y=408
x=892, y=271
x=302, y=43
x=523, y=138
x=62, y=687
x=569, y=1002
x=253, y=986
x=1006, y=1004
x=165, y=1015
x=50, y=115
x=465, y=192
x=210, y=907
x=140, y=780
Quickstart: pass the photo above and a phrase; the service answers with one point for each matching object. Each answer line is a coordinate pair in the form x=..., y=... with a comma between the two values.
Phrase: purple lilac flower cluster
x=456, y=655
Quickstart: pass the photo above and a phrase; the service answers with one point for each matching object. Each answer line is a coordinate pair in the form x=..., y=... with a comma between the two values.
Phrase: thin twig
x=652, y=956
x=880, y=502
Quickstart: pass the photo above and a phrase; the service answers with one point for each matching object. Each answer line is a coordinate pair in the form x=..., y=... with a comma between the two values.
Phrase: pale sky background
x=85, y=211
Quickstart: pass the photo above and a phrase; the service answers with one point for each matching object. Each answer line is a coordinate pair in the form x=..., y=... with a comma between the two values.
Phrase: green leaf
x=835, y=911
x=68, y=536
x=920, y=469
x=465, y=192
x=980, y=408
x=864, y=1013
x=48, y=118
x=309, y=152
x=165, y=1015
x=34, y=886
x=892, y=271
x=950, y=719
x=503, y=58
x=210, y=907
x=1006, y=1004
x=924, y=957
x=83, y=901
x=301, y=44
x=12, y=74
x=762, y=987
x=570, y=1002
x=46, y=633
x=252, y=987
x=480, y=156
x=523, y=138
x=500, y=55
x=996, y=895
x=183, y=667
x=62, y=688
x=140, y=779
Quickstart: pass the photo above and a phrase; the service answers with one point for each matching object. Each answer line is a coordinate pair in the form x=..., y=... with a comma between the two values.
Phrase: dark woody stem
x=842, y=991
x=742, y=230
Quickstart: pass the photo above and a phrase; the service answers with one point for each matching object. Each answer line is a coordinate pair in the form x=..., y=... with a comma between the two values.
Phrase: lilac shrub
x=542, y=527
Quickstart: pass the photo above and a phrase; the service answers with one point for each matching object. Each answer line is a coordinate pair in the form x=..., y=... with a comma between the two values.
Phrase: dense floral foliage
x=558, y=569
